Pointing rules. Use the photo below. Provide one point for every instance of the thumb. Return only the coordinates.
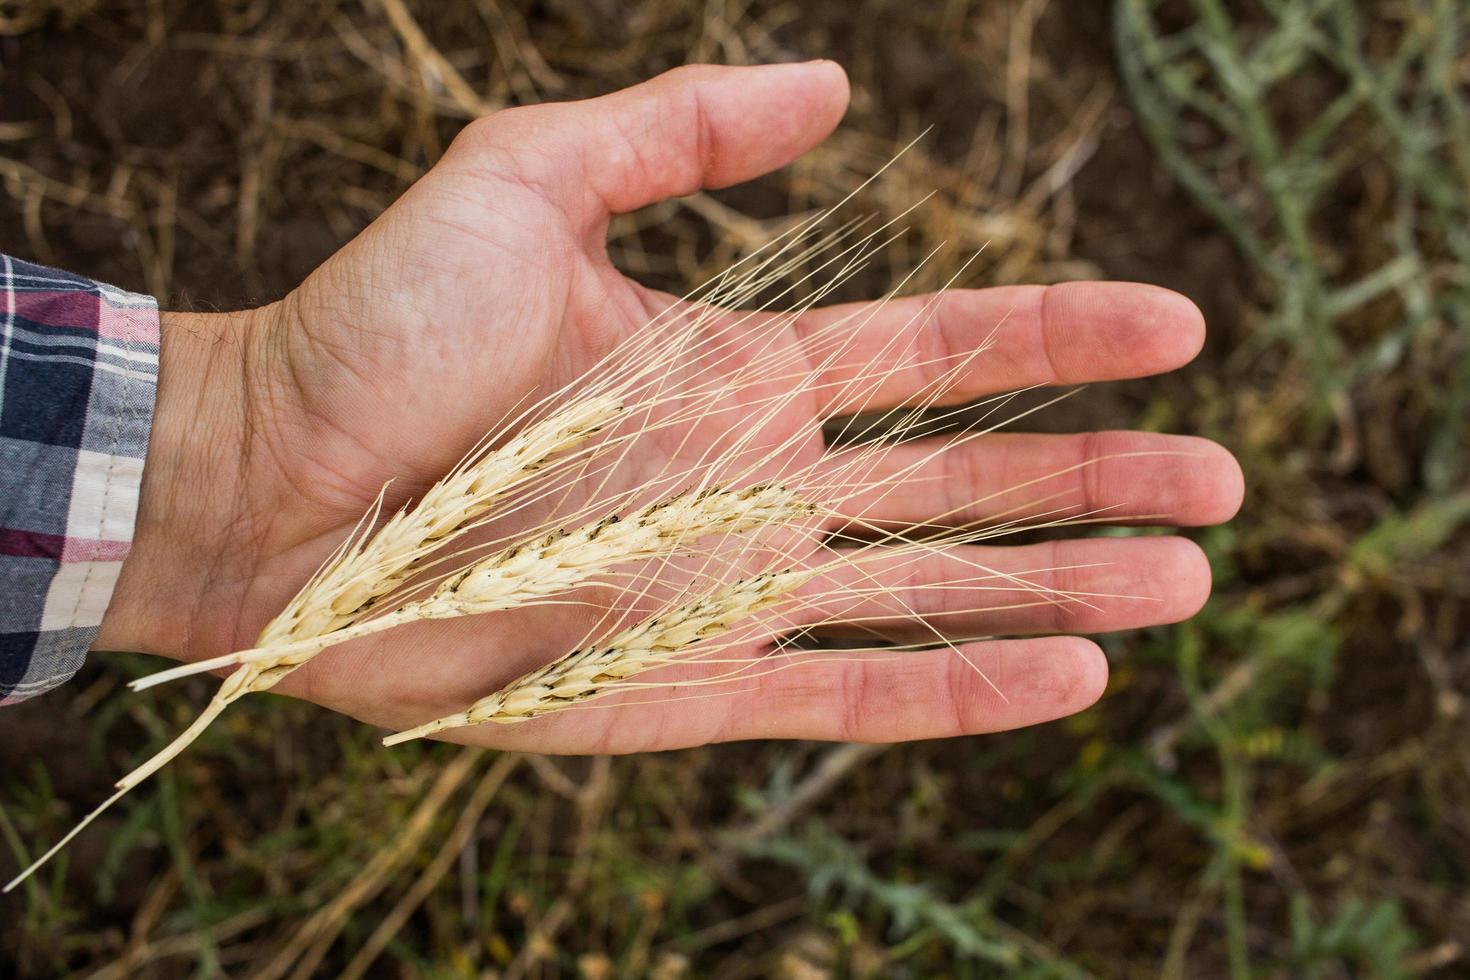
(700, 126)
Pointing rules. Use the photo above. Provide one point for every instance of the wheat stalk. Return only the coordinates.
(367, 569)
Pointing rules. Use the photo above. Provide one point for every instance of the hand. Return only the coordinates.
(488, 279)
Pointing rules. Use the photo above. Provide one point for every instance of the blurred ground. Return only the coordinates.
(1281, 788)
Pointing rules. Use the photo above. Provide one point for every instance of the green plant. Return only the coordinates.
(1219, 95)
(1370, 939)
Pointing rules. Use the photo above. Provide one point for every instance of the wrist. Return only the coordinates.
(186, 498)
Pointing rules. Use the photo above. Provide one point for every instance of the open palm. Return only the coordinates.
(488, 281)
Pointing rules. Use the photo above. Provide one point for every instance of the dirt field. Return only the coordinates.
(1280, 788)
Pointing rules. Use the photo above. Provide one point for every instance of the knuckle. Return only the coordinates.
(686, 75)
(1048, 326)
(1062, 582)
(512, 141)
(1089, 471)
(968, 482)
(960, 693)
(500, 125)
(857, 705)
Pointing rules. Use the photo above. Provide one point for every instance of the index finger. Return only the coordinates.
(1070, 333)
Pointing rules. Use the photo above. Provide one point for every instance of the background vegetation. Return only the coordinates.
(1279, 788)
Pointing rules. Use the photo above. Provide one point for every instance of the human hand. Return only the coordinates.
(488, 280)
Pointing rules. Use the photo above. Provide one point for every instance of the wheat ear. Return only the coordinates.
(588, 672)
(555, 563)
(347, 589)
(672, 635)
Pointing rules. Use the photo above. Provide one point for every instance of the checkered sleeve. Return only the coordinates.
(78, 372)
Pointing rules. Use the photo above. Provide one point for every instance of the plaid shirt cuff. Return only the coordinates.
(78, 373)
